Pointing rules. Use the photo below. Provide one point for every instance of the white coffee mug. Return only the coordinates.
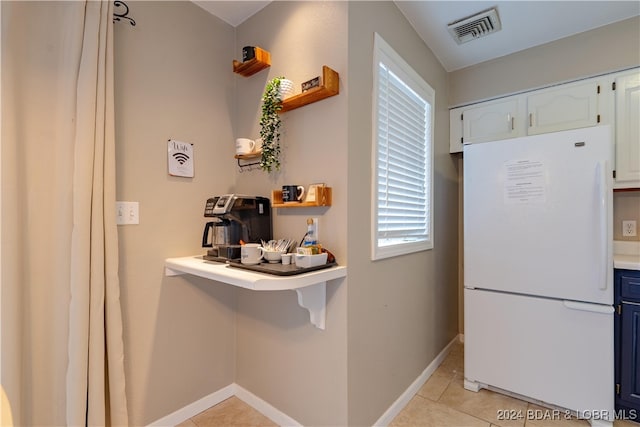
(250, 253)
(245, 145)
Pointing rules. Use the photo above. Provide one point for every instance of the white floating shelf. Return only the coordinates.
(310, 287)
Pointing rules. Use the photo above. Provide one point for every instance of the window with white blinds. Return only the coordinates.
(403, 156)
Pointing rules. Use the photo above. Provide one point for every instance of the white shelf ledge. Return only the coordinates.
(310, 287)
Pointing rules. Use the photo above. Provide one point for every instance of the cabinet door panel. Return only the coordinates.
(630, 355)
(455, 130)
(563, 108)
(491, 122)
(628, 130)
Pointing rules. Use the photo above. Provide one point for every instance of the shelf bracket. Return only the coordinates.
(314, 299)
(172, 272)
(243, 166)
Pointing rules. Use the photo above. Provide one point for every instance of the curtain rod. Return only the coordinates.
(120, 5)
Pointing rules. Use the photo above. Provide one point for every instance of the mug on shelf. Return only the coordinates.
(292, 193)
(245, 145)
(248, 52)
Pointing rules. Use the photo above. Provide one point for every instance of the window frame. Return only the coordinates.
(384, 53)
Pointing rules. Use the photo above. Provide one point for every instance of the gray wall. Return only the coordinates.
(281, 357)
(599, 51)
(172, 80)
(402, 311)
(187, 337)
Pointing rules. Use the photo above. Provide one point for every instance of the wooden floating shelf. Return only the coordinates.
(323, 198)
(330, 87)
(249, 156)
(252, 66)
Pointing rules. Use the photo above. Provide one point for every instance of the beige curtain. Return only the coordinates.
(62, 347)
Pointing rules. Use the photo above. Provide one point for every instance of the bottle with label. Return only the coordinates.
(310, 237)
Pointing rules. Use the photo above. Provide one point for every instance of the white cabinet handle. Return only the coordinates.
(530, 119)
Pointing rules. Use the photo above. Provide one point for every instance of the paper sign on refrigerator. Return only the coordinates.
(524, 182)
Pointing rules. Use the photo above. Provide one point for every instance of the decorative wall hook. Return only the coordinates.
(120, 11)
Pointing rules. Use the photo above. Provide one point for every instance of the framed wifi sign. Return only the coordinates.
(180, 157)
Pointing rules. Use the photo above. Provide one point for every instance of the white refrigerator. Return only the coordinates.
(538, 270)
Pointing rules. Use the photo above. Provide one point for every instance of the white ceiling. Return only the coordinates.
(524, 23)
(232, 12)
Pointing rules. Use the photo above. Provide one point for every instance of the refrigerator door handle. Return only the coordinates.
(583, 306)
(601, 182)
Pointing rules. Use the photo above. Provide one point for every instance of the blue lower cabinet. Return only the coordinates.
(627, 344)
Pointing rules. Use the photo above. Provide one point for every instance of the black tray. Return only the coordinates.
(278, 269)
(218, 258)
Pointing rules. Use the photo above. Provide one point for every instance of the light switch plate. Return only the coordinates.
(127, 213)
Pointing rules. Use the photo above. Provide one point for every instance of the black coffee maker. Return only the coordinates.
(235, 218)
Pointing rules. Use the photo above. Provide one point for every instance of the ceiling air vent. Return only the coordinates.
(476, 26)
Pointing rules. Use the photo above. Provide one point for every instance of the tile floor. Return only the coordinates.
(231, 412)
(441, 402)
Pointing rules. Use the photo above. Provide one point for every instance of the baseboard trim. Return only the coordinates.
(411, 391)
(193, 409)
(265, 408)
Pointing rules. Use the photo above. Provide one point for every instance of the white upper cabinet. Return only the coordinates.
(562, 107)
(568, 106)
(492, 121)
(488, 121)
(612, 99)
(627, 127)
(455, 130)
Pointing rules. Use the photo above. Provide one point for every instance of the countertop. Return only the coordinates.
(626, 255)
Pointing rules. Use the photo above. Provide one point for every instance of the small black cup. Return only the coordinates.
(292, 193)
(248, 52)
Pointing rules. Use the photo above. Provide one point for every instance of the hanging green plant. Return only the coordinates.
(270, 125)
